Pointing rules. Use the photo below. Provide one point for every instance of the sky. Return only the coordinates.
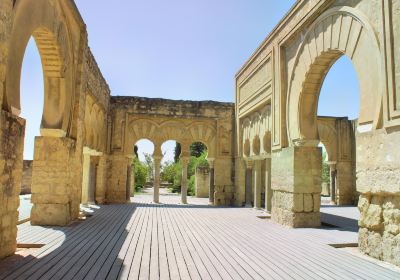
(178, 49)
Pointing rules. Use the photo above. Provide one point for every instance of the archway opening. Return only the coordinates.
(143, 171)
(169, 175)
(337, 118)
(32, 103)
(198, 171)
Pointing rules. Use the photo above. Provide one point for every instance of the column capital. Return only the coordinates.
(249, 164)
(185, 160)
(211, 162)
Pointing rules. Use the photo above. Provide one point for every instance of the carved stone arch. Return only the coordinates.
(205, 133)
(339, 31)
(41, 19)
(255, 133)
(141, 129)
(172, 130)
(266, 128)
(246, 127)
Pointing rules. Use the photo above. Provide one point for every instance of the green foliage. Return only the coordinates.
(194, 162)
(172, 171)
(191, 186)
(148, 158)
(141, 174)
(197, 149)
(325, 170)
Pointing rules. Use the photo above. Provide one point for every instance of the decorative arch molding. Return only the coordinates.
(339, 31)
(44, 20)
(256, 136)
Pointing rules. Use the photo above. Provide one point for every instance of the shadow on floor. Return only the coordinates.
(86, 249)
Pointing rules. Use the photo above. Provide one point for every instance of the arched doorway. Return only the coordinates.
(32, 99)
(339, 31)
(338, 112)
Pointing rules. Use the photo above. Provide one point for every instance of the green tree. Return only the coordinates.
(141, 173)
(148, 160)
(197, 149)
(326, 178)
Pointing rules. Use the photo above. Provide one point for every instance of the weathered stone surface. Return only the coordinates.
(202, 181)
(11, 148)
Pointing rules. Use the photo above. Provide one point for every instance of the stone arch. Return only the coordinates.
(172, 130)
(205, 133)
(141, 129)
(339, 31)
(41, 20)
(246, 137)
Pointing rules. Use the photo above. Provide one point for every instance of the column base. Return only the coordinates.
(296, 210)
(295, 220)
(50, 214)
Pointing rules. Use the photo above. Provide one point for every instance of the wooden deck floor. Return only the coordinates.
(169, 241)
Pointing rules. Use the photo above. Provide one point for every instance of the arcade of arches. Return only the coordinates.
(263, 149)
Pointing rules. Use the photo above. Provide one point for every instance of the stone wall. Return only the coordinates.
(26, 177)
(12, 131)
(202, 181)
(160, 120)
(378, 182)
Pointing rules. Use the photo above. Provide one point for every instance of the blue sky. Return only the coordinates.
(180, 50)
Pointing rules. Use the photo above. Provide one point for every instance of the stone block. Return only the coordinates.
(308, 203)
(295, 220)
(50, 214)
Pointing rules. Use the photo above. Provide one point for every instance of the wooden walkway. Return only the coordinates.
(169, 241)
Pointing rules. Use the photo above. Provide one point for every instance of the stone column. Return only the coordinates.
(184, 180)
(296, 185)
(101, 178)
(117, 179)
(249, 175)
(268, 189)
(257, 184)
(133, 178)
(332, 174)
(85, 179)
(157, 170)
(92, 183)
(212, 184)
(53, 175)
(12, 130)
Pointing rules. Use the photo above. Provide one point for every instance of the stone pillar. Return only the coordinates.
(157, 170)
(212, 183)
(378, 169)
(257, 184)
(53, 176)
(184, 180)
(101, 180)
(117, 179)
(249, 175)
(92, 183)
(296, 185)
(332, 174)
(133, 178)
(12, 130)
(128, 182)
(268, 189)
(85, 179)
(88, 178)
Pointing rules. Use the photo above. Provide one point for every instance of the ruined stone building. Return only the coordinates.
(263, 149)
